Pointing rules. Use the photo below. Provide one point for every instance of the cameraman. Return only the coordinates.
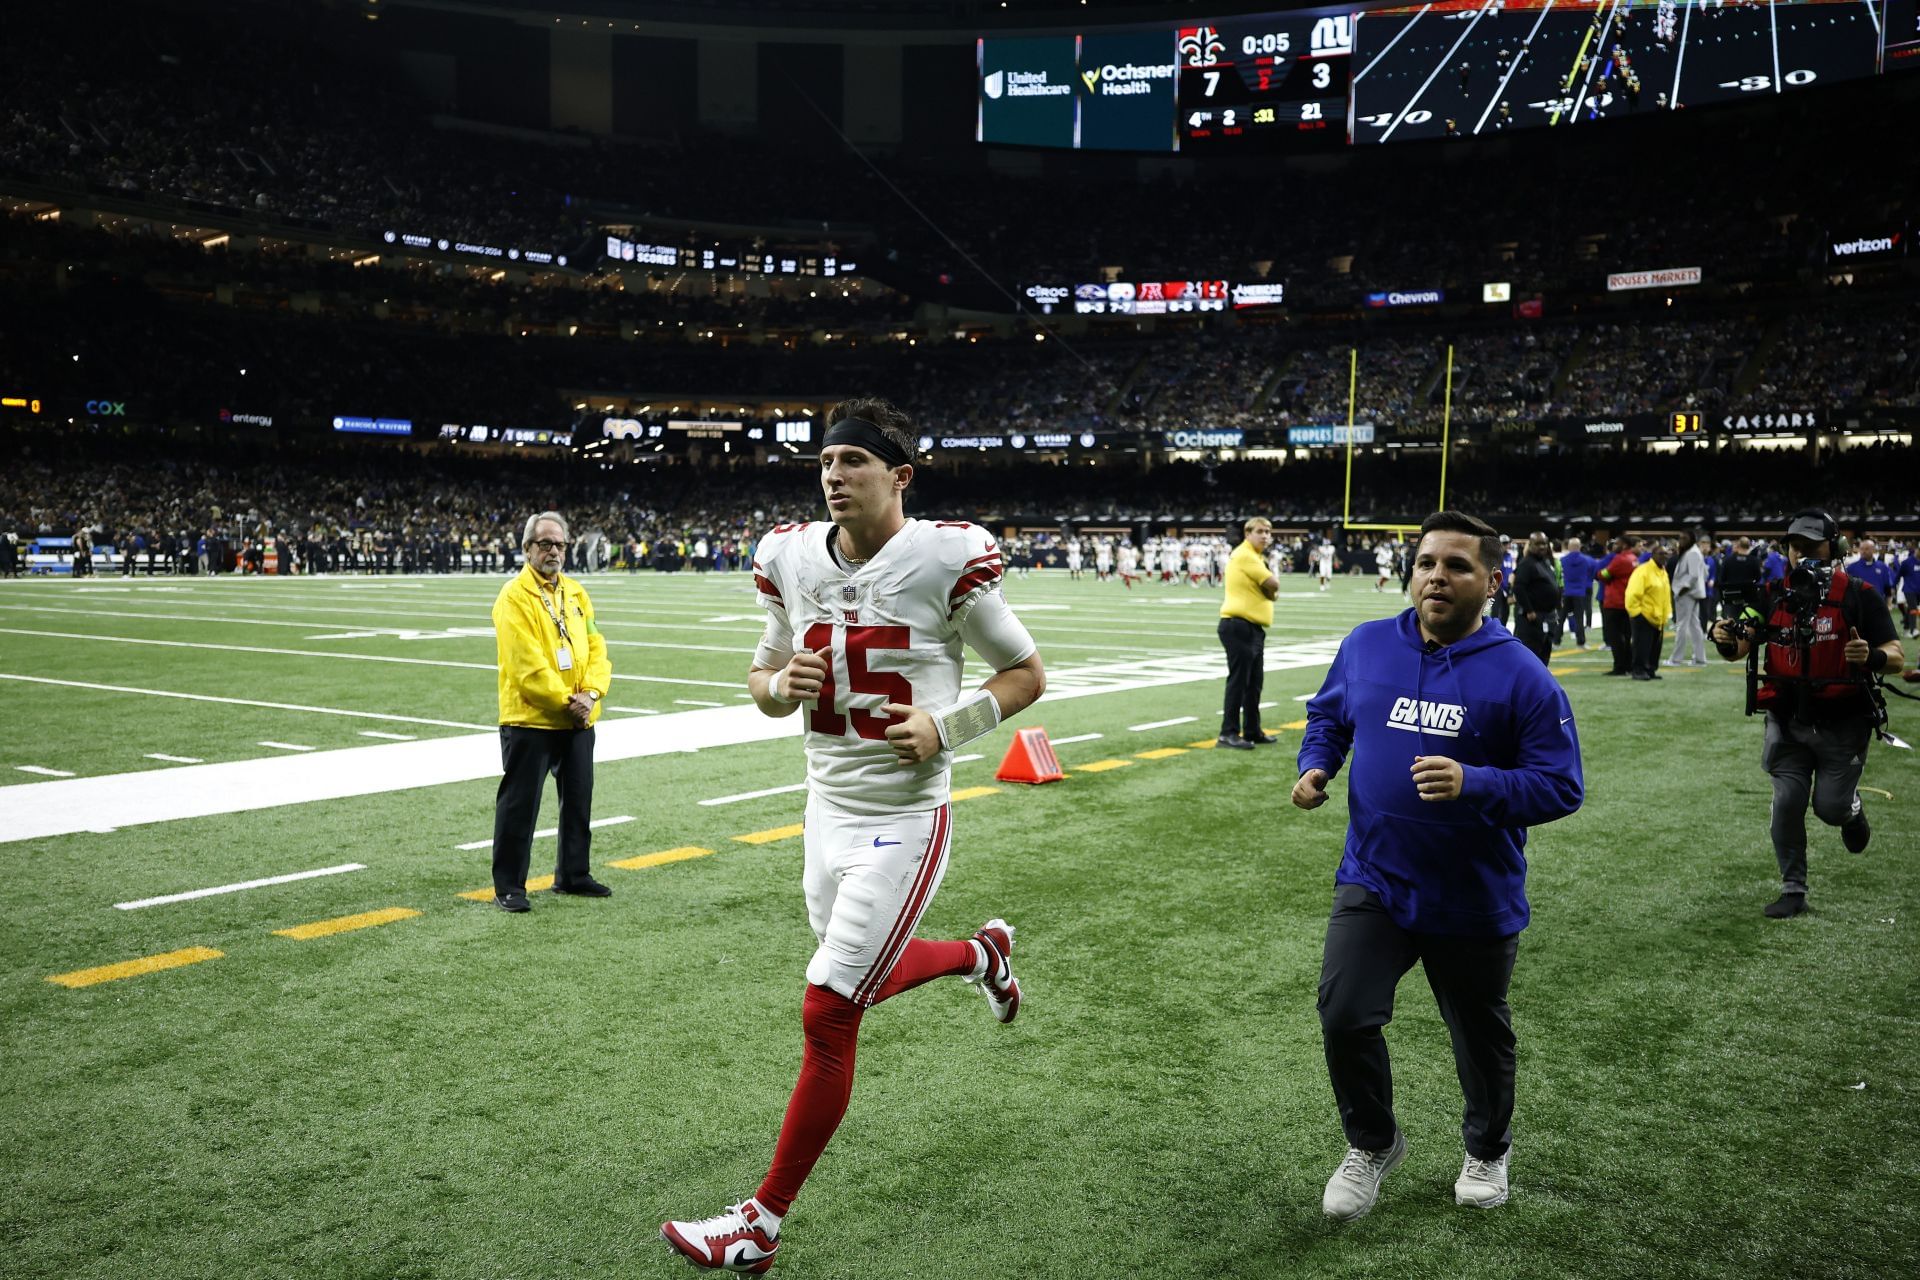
(1814, 729)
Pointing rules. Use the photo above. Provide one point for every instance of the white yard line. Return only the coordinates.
(967, 759)
(1396, 40)
(37, 810)
(755, 795)
(320, 653)
(286, 746)
(1433, 75)
(1082, 737)
(1500, 90)
(236, 888)
(42, 769)
(1161, 724)
(161, 755)
(243, 702)
(548, 832)
(695, 702)
(391, 737)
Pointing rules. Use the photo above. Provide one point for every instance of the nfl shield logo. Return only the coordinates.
(848, 592)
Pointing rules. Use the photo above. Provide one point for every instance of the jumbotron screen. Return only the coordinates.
(1462, 68)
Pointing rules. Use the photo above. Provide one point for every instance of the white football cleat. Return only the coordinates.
(1355, 1185)
(997, 983)
(1482, 1183)
(735, 1240)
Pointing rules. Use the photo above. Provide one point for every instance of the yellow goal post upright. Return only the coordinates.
(1446, 423)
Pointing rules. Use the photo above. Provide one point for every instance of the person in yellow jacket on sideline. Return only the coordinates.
(1649, 605)
(553, 673)
(1245, 615)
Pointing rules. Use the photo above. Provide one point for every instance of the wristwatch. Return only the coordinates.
(591, 694)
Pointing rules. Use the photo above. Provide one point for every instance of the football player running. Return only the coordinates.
(867, 615)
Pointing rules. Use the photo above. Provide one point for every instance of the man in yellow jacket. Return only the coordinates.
(1649, 605)
(1245, 615)
(553, 673)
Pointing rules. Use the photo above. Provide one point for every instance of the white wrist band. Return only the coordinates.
(773, 690)
(974, 716)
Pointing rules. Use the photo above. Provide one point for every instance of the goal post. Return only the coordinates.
(1446, 424)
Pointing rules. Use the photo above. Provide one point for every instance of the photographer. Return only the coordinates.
(1825, 636)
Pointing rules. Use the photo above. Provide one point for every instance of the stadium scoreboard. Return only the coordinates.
(1209, 85)
(1243, 79)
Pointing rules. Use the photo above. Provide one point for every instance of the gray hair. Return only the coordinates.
(533, 522)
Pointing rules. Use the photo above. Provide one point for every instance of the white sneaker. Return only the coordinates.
(1482, 1183)
(1355, 1185)
(737, 1239)
(998, 983)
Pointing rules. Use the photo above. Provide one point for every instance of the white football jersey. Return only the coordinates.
(891, 630)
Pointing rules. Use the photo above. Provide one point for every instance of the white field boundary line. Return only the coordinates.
(755, 795)
(38, 810)
(44, 771)
(161, 755)
(477, 632)
(243, 702)
(729, 685)
(342, 869)
(547, 833)
(286, 746)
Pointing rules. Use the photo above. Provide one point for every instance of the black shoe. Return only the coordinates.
(1855, 832)
(1264, 739)
(1233, 741)
(586, 887)
(1787, 904)
(1641, 675)
(515, 902)
(1613, 673)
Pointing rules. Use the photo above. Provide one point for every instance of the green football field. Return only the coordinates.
(412, 1083)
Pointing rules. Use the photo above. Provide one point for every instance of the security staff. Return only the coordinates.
(1244, 619)
(1816, 729)
(553, 673)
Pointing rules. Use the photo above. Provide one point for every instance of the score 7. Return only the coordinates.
(1213, 81)
(888, 686)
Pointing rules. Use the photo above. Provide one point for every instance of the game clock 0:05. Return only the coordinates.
(1278, 77)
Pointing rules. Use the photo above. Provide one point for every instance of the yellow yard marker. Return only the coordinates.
(1294, 724)
(1160, 753)
(662, 858)
(972, 793)
(1205, 744)
(346, 924)
(1101, 766)
(534, 885)
(134, 968)
(768, 837)
(1562, 671)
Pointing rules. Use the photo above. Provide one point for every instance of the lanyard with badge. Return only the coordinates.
(563, 657)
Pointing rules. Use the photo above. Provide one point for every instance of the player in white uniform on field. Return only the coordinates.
(1073, 557)
(1323, 563)
(1103, 559)
(1170, 560)
(1383, 563)
(867, 617)
(1129, 563)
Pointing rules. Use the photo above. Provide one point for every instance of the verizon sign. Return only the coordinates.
(1868, 248)
(1670, 278)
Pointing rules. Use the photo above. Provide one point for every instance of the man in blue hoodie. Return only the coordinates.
(1460, 741)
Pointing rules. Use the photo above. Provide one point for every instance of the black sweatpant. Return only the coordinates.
(1616, 631)
(528, 756)
(1533, 634)
(1647, 641)
(1366, 956)
(1246, 646)
(1574, 610)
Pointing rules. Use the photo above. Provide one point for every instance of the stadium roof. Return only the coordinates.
(970, 15)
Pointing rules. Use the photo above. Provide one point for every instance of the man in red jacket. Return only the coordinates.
(1614, 624)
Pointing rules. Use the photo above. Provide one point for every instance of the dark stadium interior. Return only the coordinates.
(188, 254)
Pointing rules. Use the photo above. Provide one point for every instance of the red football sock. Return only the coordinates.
(923, 961)
(819, 1100)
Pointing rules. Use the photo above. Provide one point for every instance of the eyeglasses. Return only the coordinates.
(548, 544)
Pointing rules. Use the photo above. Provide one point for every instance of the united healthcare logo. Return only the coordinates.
(996, 85)
(1417, 715)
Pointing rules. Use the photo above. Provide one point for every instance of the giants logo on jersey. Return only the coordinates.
(1442, 719)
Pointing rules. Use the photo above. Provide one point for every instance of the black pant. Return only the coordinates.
(1533, 634)
(1574, 609)
(1619, 637)
(1821, 761)
(528, 756)
(1647, 641)
(1366, 956)
(1246, 646)
(1502, 608)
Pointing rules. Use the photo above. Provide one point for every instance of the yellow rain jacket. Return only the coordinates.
(533, 688)
(1650, 594)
